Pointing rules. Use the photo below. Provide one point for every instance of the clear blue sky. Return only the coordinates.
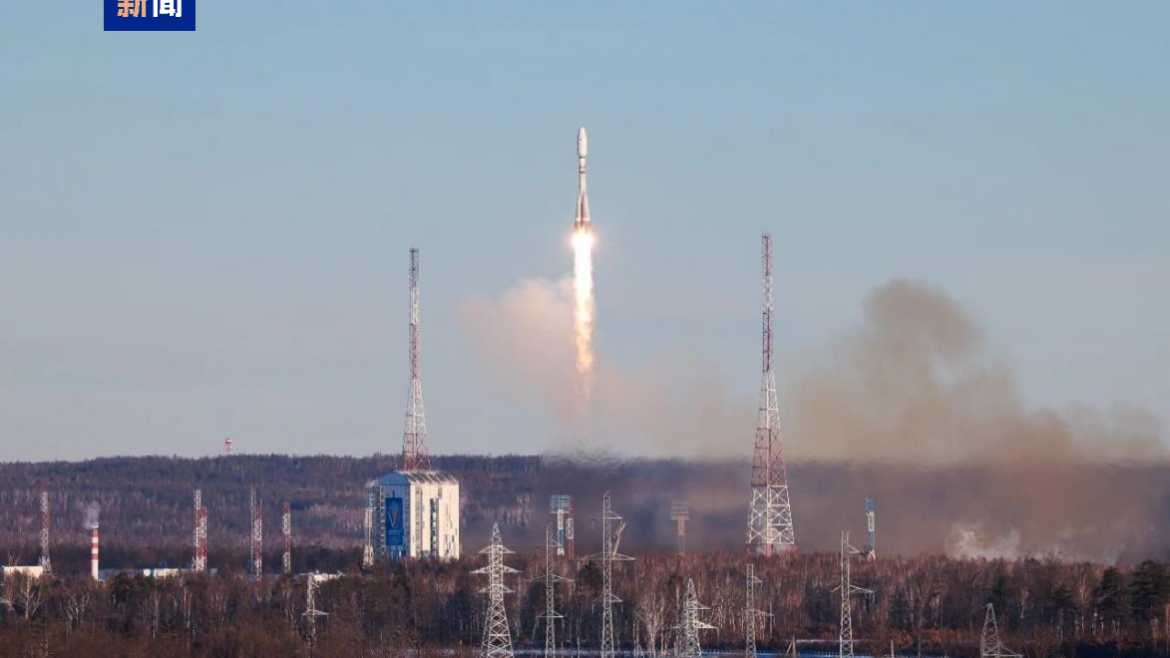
(205, 233)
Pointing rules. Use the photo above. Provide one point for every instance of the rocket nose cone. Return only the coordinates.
(582, 143)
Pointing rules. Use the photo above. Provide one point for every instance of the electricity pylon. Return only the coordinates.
(690, 625)
(497, 638)
(610, 539)
(990, 645)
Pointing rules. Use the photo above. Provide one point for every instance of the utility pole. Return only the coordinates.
(312, 581)
(751, 613)
(847, 590)
(770, 530)
(551, 578)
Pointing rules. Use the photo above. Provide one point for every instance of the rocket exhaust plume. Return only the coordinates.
(583, 275)
(583, 296)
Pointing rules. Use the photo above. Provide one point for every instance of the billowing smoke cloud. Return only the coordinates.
(910, 407)
(90, 512)
(916, 384)
(674, 405)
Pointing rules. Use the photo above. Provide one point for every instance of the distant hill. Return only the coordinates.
(1104, 513)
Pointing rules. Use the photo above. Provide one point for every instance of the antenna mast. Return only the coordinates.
(199, 564)
(415, 456)
(770, 529)
(286, 532)
(46, 563)
(368, 549)
(871, 533)
(257, 537)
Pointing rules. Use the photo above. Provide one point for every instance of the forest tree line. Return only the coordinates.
(928, 605)
(147, 518)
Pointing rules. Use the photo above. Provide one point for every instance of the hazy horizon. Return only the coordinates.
(206, 234)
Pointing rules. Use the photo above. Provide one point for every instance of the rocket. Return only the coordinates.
(582, 223)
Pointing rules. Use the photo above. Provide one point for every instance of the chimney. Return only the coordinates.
(93, 554)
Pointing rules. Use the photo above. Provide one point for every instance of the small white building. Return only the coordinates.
(416, 515)
(26, 571)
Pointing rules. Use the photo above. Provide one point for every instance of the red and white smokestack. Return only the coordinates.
(93, 554)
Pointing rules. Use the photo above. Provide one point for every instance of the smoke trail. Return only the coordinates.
(583, 308)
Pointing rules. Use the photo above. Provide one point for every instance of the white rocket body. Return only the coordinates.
(582, 221)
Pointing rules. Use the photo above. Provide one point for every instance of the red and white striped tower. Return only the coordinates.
(286, 532)
(227, 446)
(415, 454)
(257, 537)
(769, 528)
(94, 557)
(200, 562)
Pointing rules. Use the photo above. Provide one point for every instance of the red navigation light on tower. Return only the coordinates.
(415, 510)
(769, 528)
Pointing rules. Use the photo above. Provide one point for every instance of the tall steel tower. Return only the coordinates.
(690, 625)
(551, 578)
(46, 563)
(870, 527)
(680, 513)
(257, 537)
(415, 456)
(368, 548)
(751, 614)
(286, 533)
(312, 582)
(770, 528)
(990, 645)
(497, 638)
(847, 590)
(610, 539)
(561, 505)
(199, 564)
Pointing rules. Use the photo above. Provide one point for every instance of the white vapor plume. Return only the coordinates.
(89, 514)
(671, 405)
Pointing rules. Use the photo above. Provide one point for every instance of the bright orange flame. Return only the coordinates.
(583, 312)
